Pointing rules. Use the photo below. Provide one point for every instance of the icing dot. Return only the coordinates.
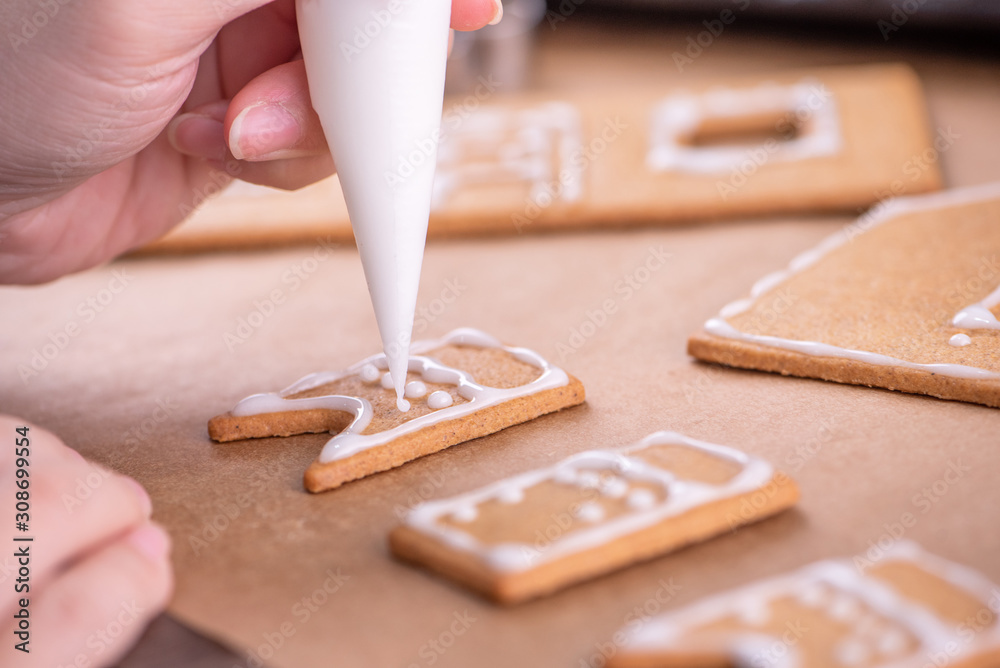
(614, 487)
(960, 340)
(891, 642)
(843, 608)
(387, 380)
(403, 405)
(439, 399)
(511, 495)
(465, 514)
(641, 499)
(852, 652)
(588, 479)
(590, 512)
(812, 596)
(414, 389)
(369, 373)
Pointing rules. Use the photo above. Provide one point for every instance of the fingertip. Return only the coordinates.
(474, 14)
(151, 541)
(140, 493)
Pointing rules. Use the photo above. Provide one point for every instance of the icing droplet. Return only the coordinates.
(511, 495)
(387, 381)
(369, 373)
(403, 405)
(614, 487)
(414, 390)
(439, 399)
(588, 479)
(843, 608)
(590, 512)
(960, 340)
(812, 596)
(641, 499)
(465, 514)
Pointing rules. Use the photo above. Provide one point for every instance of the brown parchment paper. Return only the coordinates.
(302, 580)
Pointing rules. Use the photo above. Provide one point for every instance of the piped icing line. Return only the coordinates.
(718, 326)
(840, 588)
(351, 441)
(583, 469)
(538, 151)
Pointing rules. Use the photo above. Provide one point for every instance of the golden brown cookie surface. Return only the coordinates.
(906, 608)
(589, 514)
(460, 387)
(906, 298)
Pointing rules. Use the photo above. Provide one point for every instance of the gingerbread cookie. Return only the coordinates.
(905, 299)
(462, 386)
(909, 609)
(826, 139)
(590, 514)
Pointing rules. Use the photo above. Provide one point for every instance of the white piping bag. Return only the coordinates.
(376, 76)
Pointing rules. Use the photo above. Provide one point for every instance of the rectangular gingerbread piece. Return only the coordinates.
(589, 514)
(460, 387)
(810, 140)
(903, 608)
(906, 298)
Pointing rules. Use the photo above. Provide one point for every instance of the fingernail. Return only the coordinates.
(499, 13)
(151, 541)
(198, 136)
(263, 132)
(142, 495)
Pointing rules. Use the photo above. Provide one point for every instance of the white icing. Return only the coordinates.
(465, 514)
(387, 381)
(677, 118)
(439, 399)
(588, 479)
(614, 487)
(813, 596)
(415, 389)
(351, 441)
(370, 374)
(843, 608)
(511, 495)
(641, 499)
(979, 315)
(380, 106)
(904, 618)
(677, 497)
(718, 326)
(959, 340)
(591, 512)
(495, 146)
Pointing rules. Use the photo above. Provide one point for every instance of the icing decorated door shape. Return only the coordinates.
(716, 131)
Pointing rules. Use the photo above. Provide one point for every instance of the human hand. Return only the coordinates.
(97, 570)
(88, 165)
